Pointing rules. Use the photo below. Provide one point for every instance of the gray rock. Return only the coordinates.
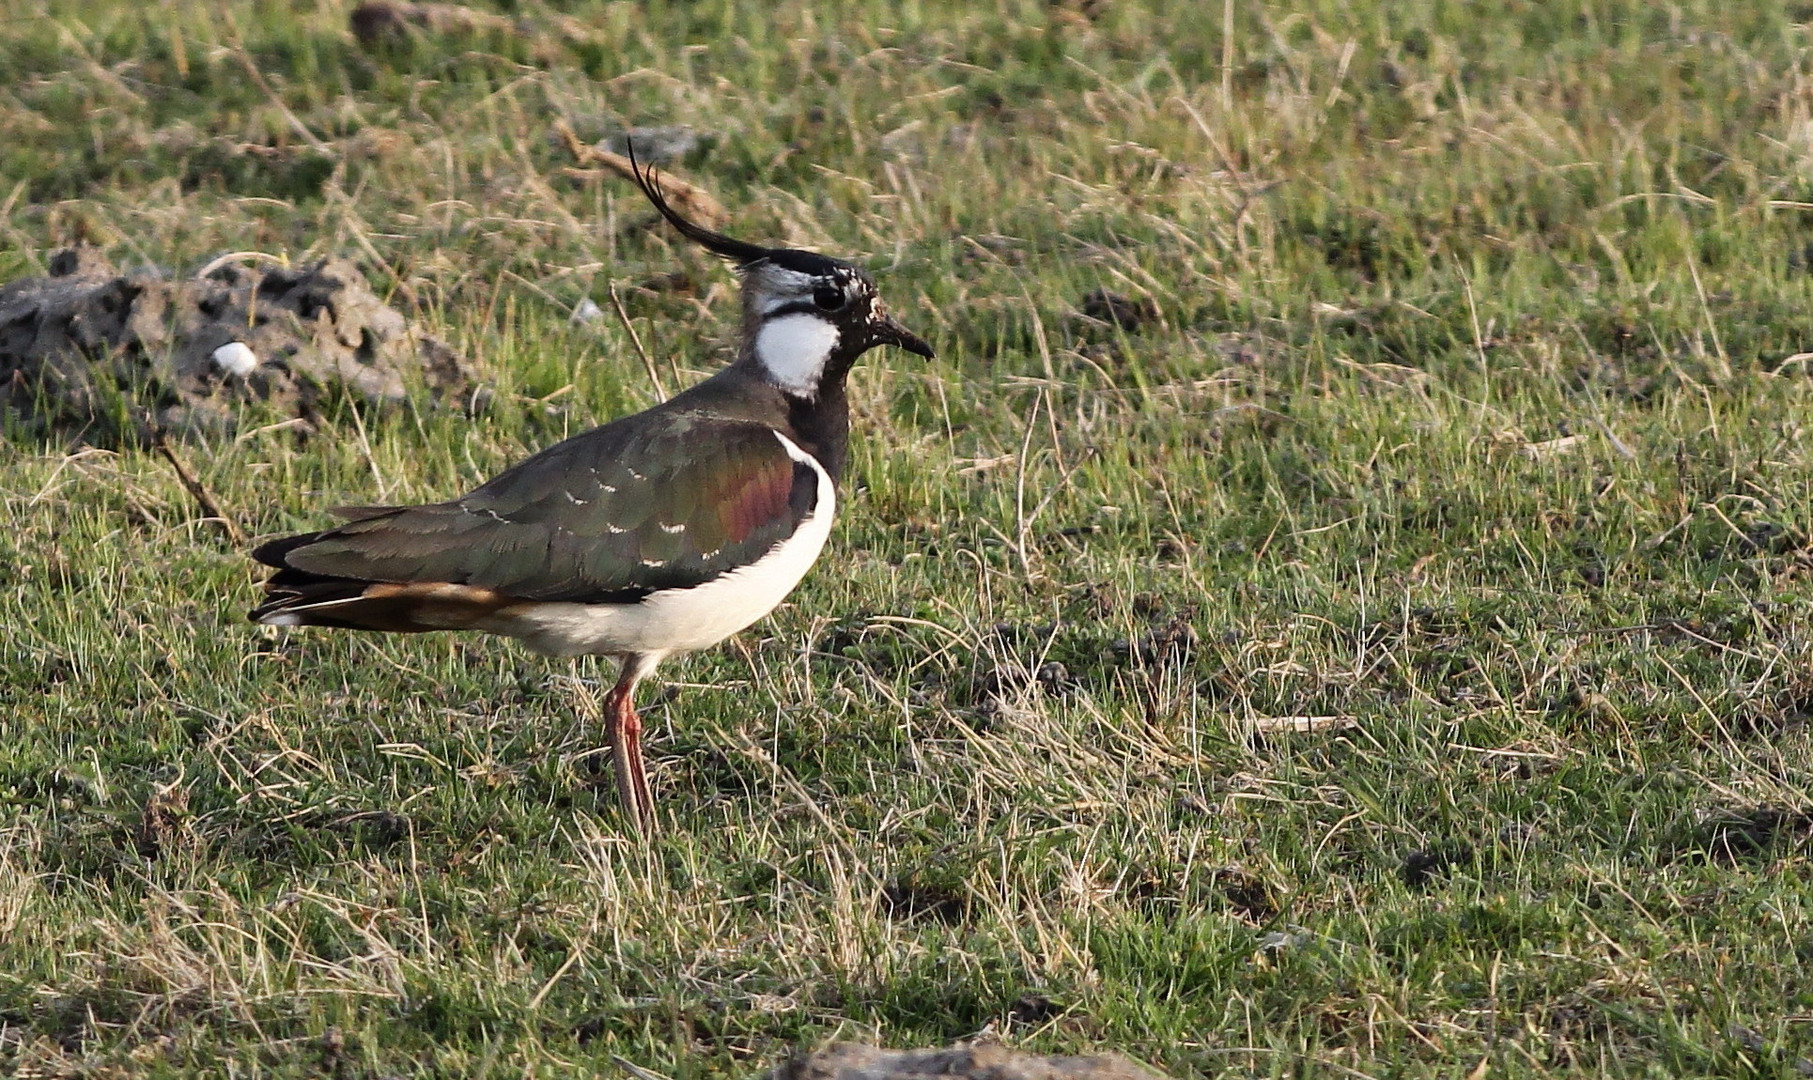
(980, 1061)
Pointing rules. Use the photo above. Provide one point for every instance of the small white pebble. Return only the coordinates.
(235, 358)
(587, 311)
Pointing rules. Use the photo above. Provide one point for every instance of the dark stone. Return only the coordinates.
(1422, 866)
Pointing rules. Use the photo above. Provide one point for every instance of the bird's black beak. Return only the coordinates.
(883, 330)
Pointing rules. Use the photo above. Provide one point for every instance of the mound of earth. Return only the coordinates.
(111, 357)
(980, 1061)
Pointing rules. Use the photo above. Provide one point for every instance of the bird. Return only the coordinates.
(656, 534)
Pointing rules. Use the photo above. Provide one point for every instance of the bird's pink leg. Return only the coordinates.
(625, 729)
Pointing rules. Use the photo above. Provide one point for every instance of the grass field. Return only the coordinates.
(1467, 414)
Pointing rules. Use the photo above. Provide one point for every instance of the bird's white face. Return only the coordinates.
(794, 349)
(802, 320)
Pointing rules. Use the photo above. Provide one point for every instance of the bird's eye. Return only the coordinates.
(828, 297)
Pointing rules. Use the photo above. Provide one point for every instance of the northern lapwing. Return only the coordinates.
(658, 533)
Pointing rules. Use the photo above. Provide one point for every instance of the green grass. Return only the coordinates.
(1396, 249)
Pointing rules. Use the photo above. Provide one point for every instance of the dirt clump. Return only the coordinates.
(114, 358)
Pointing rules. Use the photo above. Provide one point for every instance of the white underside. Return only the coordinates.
(679, 620)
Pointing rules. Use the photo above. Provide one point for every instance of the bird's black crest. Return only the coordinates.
(742, 253)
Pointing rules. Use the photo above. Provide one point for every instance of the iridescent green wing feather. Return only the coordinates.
(666, 501)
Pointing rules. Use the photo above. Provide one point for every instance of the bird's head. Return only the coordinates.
(806, 317)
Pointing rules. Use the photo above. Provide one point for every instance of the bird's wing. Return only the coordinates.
(670, 501)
